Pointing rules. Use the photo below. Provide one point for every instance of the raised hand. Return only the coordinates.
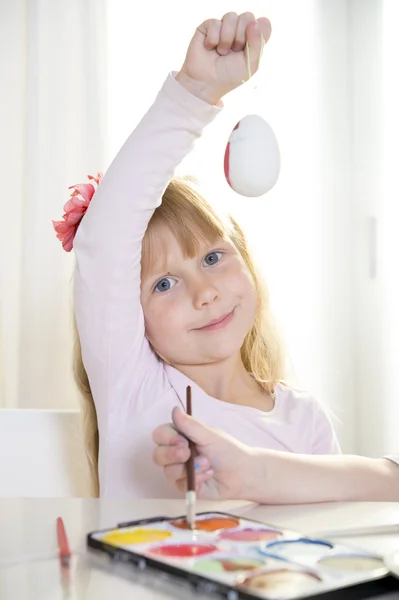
(223, 54)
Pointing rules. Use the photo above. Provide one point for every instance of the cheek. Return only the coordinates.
(250, 297)
(241, 282)
(160, 320)
(247, 293)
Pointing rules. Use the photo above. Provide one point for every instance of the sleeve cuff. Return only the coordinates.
(197, 108)
(393, 458)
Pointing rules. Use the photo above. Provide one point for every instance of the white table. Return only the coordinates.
(27, 526)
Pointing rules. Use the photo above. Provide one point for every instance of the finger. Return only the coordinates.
(170, 455)
(243, 21)
(201, 464)
(181, 484)
(257, 34)
(177, 471)
(204, 437)
(166, 435)
(174, 473)
(265, 28)
(227, 33)
(204, 476)
(211, 30)
(201, 488)
(194, 430)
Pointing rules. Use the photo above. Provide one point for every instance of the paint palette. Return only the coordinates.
(237, 558)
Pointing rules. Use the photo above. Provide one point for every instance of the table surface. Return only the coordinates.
(27, 528)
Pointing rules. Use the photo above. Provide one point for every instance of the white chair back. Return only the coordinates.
(42, 454)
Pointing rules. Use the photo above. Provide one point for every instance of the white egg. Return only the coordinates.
(252, 157)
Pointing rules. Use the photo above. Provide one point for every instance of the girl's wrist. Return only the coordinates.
(255, 475)
(199, 89)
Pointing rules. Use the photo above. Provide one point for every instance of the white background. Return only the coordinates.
(76, 78)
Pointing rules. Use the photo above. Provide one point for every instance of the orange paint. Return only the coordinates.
(210, 524)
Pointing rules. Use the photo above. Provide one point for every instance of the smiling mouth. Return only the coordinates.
(219, 323)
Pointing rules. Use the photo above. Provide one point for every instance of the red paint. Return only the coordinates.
(209, 524)
(227, 159)
(227, 164)
(250, 535)
(183, 550)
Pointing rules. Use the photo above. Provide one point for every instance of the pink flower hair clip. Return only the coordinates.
(74, 210)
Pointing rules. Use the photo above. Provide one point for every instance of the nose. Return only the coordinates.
(203, 292)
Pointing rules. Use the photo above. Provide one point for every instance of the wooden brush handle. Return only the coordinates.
(190, 465)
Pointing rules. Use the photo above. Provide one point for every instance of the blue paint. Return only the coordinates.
(286, 550)
(302, 540)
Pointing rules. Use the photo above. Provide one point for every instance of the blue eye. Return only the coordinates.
(164, 284)
(212, 258)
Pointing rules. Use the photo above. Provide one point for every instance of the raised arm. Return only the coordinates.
(110, 322)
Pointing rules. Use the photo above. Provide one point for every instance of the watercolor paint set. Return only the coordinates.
(233, 557)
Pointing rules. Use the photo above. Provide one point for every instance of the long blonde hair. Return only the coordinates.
(192, 220)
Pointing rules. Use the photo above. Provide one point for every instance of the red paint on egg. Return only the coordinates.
(227, 164)
(227, 159)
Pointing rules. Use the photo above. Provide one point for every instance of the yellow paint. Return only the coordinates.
(137, 536)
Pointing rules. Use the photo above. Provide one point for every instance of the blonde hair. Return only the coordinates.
(192, 220)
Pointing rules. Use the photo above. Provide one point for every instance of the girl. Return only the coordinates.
(166, 294)
(227, 469)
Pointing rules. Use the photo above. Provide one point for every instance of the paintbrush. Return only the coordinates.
(65, 558)
(190, 470)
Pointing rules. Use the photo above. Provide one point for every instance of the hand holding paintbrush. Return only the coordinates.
(190, 470)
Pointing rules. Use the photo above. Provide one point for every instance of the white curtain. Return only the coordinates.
(79, 78)
(376, 241)
(52, 121)
(389, 233)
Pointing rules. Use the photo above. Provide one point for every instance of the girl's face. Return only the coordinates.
(197, 310)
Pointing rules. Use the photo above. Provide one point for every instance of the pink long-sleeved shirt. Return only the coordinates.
(133, 390)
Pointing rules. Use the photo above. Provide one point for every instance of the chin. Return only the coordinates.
(223, 350)
(217, 352)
